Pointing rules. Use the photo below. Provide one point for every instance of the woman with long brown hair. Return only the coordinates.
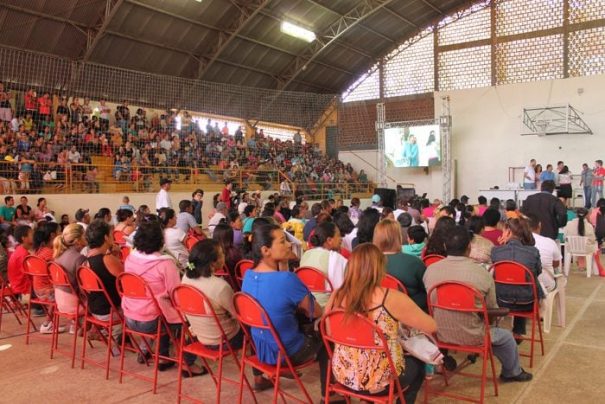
(365, 370)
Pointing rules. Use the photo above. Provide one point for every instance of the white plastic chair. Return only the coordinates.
(546, 306)
(575, 246)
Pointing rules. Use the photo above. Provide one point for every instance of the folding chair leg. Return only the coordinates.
(537, 320)
(483, 377)
(84, 340)
(74, 342)
(242, 374)
(122, 352)
(533, 340)
(156, 362)
(493, 365)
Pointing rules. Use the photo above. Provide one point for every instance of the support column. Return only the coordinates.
(445, 123)
(381, 168)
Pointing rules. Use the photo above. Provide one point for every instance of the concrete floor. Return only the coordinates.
(569, 372)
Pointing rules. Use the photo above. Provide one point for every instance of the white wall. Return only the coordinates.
(487, 124)
(486, 134)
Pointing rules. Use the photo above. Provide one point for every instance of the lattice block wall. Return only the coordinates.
(587, 52)
(530, 60)
(410, 71)
(474, 27)
(465, 68)
(586, 10)
(356, 120)
(521, 16)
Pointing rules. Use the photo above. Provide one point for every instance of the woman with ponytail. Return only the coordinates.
(205, 259)
(66, 252)
(581, 226)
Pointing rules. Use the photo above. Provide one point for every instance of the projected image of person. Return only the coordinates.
(410, 152)
(431, 150)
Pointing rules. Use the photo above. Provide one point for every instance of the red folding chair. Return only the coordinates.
(240, 270)
(189, 242)
(9, 303)
(390, 282)
(360, 333)
(513, 273)
(315, 280)
(191, 302)
(431, 259)
(59, 279)
(131, 286)
(119, 237)
(462, 299)
(90, 284)
(36, 267)
(250, 313)
(224, 273)
(124, 253)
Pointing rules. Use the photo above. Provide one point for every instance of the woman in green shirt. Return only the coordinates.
(406, 268)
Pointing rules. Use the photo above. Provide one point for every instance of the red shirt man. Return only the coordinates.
(598, 174)
(20, 282)
(226, 194)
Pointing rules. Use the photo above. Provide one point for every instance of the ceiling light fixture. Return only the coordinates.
(297, 32)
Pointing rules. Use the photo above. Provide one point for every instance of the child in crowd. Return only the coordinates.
(416, 241)
(126, 204)
(511, 209)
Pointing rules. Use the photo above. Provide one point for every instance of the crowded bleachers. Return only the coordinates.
(64, 144)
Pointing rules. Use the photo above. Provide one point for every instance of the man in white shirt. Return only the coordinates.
(162, 199)
(550, 256)
(529, 175)
(221, 214)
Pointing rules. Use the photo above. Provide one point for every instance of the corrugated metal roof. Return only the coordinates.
(181, 37)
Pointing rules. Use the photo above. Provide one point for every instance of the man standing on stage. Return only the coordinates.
(597, 182)
(529, 176)
(586, 184)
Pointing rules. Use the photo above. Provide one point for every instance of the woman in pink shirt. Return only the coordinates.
(162, 275)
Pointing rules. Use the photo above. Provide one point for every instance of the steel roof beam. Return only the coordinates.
(373, 31)
(328, 38)
(339, 43)
(400, 17)
(94, 39)
(194, 57)
(434, 7)
(247, 14)
(287, 52)
(80, 27)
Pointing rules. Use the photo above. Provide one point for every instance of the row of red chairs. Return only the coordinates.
(449, 296)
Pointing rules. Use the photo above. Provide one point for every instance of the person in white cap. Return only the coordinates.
(162, 199)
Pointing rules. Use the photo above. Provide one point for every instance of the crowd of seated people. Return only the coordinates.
(52, 138)
(265, 231)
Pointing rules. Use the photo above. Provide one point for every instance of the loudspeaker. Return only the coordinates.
(406, 194)
(388, 197)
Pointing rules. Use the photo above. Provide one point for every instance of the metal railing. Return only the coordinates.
(68, 178)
